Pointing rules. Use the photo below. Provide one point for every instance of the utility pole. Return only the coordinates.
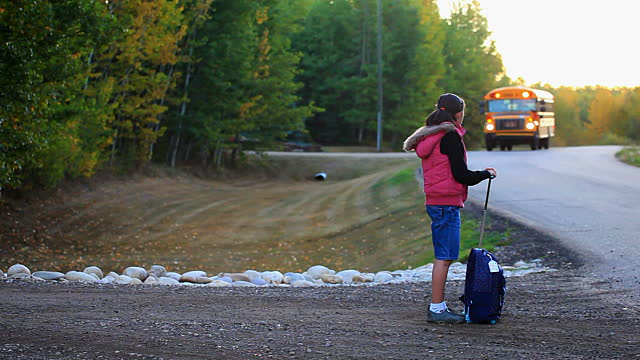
(379, 48)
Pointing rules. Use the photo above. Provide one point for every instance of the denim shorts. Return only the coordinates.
(445, 231)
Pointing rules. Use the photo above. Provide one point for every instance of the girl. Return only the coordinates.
(446, 178)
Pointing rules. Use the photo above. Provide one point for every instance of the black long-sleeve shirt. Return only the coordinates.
(451, 145)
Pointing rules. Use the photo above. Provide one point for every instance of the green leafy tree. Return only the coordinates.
(196, 14)
(340, 67)
(43, 49)
(245, 84)
(279, 107)
(473, 65)
(416, 66)
(336, 44)
(138, 62)
(631, 113)
(422, 57)
(228, 43)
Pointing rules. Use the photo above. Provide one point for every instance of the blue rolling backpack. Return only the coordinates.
(485, 285)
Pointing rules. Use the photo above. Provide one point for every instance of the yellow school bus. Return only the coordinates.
(518, 115)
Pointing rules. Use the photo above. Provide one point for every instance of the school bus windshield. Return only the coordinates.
(512, 105)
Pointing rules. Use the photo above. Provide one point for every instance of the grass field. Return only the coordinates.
(368, 215)
(630, 155)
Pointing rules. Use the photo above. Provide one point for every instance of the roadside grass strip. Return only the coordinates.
(630, 155)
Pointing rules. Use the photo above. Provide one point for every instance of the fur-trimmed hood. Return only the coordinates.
(413, 140)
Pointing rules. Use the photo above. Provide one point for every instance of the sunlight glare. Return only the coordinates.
(568, 42)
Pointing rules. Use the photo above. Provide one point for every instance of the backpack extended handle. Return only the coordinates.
(484, 212)
(486, 200)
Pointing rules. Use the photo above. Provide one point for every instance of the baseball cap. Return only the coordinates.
(451, 103)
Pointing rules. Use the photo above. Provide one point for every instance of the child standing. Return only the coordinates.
(446, 178)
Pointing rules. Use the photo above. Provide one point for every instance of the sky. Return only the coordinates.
(565, 42)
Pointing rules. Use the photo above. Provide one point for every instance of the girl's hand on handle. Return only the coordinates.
(492, 171)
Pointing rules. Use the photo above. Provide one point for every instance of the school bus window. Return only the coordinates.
(512, 105)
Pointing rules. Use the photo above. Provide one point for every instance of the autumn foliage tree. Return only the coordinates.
(43, 51)
(92, 84)
(139, 64)
(595, 115)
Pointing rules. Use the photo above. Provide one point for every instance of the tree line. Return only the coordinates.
(596, 115)
(423, 56)
(87, 85)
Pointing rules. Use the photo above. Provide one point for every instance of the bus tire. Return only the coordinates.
(490, 144)
(489, 141)
(535, 142)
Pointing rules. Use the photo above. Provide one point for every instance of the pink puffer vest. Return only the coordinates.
(440, 187)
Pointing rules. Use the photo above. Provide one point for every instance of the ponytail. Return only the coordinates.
(438, 116)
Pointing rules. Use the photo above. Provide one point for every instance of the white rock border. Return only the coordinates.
(315, 276)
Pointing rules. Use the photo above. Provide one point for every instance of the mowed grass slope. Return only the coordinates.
(368, 215)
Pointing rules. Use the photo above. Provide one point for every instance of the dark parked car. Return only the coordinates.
(300, 141)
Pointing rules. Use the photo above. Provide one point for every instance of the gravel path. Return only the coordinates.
(548, 316)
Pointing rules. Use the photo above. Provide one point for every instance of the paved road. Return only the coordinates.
(581, 195)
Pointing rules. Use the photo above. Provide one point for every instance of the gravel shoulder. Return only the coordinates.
(554, 315)
(548, 316)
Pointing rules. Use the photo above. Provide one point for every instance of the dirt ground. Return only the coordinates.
(566, 314)
(186, 223)
(554, 315)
